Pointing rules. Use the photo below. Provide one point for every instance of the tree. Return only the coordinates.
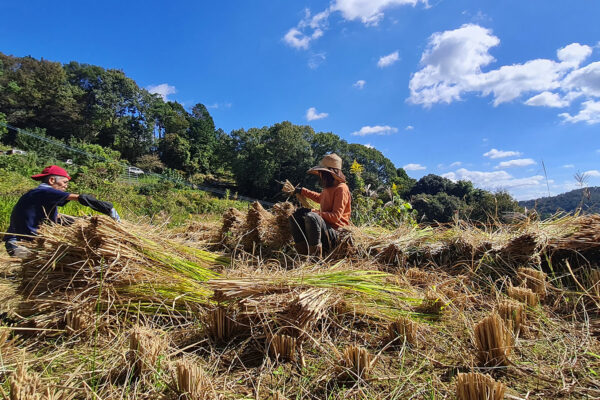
(175, 151)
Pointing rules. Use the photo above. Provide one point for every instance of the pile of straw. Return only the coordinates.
(493, 340)
(357, 362)
(145, 348)
(191, 381)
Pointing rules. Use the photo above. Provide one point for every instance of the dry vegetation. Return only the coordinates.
(102, 310)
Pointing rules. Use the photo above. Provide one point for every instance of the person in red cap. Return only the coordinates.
(315, 231)
(40, 204)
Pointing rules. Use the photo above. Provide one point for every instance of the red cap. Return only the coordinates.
(51, 170)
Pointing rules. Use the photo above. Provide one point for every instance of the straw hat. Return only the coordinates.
(331, 163)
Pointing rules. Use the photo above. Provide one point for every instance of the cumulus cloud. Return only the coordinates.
(359, 84)
(547, 99)
(409, 128)
(386, 61)
(414, 167)
(164, 90)
(369, 12)
(454, 62)
(493, 180)
(312, 114)
(494, 153)
(375, 130)
(520, 162)
(589, 113)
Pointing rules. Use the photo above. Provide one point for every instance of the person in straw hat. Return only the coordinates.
(40, 204)
(315, 231)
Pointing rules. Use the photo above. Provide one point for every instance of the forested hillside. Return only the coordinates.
(104, 112)
(588, 199)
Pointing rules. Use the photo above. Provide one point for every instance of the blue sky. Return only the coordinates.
(482, 90)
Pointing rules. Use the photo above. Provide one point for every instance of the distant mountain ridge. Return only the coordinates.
(568, 202)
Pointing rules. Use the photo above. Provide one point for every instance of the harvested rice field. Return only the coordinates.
(228, 310)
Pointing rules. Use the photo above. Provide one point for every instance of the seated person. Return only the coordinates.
(40, 204)
(315, 231)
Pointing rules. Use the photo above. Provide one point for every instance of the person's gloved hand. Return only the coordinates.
(115, 215)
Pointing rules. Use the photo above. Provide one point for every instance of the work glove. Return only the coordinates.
(115, 215)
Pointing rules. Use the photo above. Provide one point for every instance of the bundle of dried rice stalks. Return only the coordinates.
(521, 249)
(282, 234)
(191, 381)
(97, 261)
(524, 295)
(534, 280)
(233, 226)
(402, 330)
(282, 347)
(493, 341)
(309, 307)
(79, 320)
(418, 277)
(475, 386)
(145, 348)
(513, 314)
(219, 325)
(584, 234)
(259, 223)
(358, 362)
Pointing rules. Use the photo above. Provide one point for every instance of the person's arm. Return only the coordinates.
(341, 199)
(105, 207)
(314, 196)
(73, 197)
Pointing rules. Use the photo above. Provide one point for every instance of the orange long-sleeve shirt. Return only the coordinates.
(335, 204)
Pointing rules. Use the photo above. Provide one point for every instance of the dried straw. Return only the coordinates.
(402, 330)
(358, 362)
(493, 341)
(282, 347)
(191, 381)
(475, 386)
(534, 280)
(282, 234)
(524, 295)
(24, 385)
(232, 228)
(513, 314)
(219, 325)
(145, 348)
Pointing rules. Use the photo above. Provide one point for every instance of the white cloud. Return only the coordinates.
(375, 130)
(359, 84)
(312, 114)
(453, 65)
(456, 164)
(493, 153)
(547, 99)
(316, 60)
(520, 162)
(386, 61)
(414, 167)
(593, 172)
(308, 29)
(369, 146)
(589, 113)
(219, 105)
(409, 128)
(164, 90)
(574, 53)
(494, 180)
(568, 166)
(370, 12)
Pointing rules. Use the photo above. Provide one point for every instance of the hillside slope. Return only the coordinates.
(568, 202)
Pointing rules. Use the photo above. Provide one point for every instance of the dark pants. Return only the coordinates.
(311, 228)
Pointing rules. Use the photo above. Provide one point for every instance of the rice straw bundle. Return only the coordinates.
(97, 261)
(191, 381)
(402, 330)
(392, 254)
(145, 348)
(475, 386)
(521, 249)
(232, 228)
(524, 295)
(493, 341)
(282, 234)
(309, 307)
(219, 326)
(357, 361)
(258, 224)
(282, 347)
(78, 320)
(534, 280)
(418, 277)
(585, 234)
(513, 314)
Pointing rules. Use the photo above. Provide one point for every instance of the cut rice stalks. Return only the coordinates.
(357, 363)
(192, 382)
(524, 295)
(475, 386)
(493, 341)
